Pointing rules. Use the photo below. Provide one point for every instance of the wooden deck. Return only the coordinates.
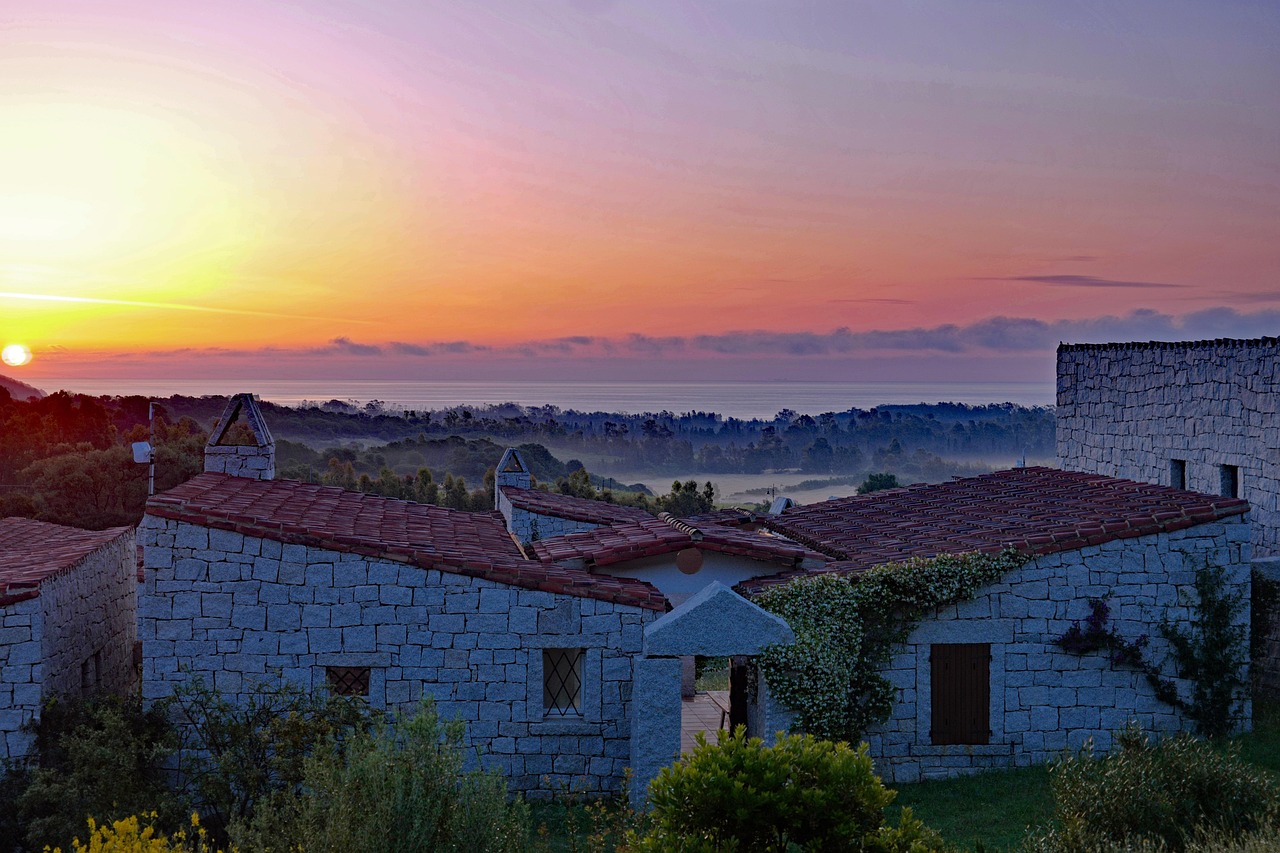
(704, 712)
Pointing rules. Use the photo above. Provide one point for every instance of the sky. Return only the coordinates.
(586, 189)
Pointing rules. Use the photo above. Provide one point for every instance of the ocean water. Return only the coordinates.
(731, 399)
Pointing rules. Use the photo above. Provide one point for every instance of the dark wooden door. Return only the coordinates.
(960, 689)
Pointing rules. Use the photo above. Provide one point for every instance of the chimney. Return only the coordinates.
(248, 451)
(512, 471)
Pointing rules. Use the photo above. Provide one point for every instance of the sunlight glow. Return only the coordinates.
(15, 355)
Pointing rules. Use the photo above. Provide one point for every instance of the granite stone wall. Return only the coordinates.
(1042, 698)
(90, 623)
(531, 526)
(238, 610)
(1130, 410)
(255, 463)
(74, 638)
(21, 673)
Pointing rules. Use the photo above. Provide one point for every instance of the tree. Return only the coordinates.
(878, 482)
(685, 499)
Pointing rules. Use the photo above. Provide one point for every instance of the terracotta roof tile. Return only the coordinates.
(475, 544)
(32, 551)
(573, 508)
(1036, 510)
(655, 536)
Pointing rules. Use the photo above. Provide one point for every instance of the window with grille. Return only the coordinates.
(960, 691)
(348, 680)
(562, 681)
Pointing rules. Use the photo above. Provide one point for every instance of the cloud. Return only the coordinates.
(992, 336)
(346, 346)
(1084, 281)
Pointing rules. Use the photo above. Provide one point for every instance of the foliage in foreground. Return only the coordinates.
(101, 756)
(1164, 795)
(393, 787)
(846, 631)
(740, 795)
(236, 755)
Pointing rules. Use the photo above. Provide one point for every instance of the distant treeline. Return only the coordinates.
(66, 457)
(883, 438)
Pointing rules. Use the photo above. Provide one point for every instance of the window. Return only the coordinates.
(1178, 473)
(1230, 481)
(960, 691)
(562, 681)
(348, 680)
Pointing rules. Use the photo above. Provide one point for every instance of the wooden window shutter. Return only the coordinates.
(960, 687)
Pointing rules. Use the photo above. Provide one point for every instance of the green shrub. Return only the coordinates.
(805, 793)
(101, 757)
(402, 788)
(1164, 793)
(237, 754)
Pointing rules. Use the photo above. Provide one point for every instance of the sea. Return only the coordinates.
(738, 399)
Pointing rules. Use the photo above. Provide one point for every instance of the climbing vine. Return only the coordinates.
(1210, 653)
(846, 629)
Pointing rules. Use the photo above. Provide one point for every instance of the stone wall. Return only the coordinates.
(531, 526)
(254, 463)
(90, 618)
(238, 610)
(1044, 699)
(1128, 410)
(21, 672)
(75, 637)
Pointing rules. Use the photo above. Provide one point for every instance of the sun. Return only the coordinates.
(15, 355)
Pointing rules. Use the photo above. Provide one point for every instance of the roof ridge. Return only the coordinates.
(683, 526)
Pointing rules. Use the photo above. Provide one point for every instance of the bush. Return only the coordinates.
(1159, 794)
(400, 788)
(235, 755)
(740, 795)
(100, 757)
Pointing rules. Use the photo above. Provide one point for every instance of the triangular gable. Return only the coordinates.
(242, 407)
(716, 622)
(512, 463)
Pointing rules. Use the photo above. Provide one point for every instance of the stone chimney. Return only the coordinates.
(247, 452)
(512, 471)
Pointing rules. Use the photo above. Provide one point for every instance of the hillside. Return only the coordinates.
(19, 390)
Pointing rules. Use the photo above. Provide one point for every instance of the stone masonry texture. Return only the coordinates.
(238, 610)
(1130, 410)
(75, 637)
(1044, 699)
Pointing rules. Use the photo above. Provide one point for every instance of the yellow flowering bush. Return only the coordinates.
(139, 835)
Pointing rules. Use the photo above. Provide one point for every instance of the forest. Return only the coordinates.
(65, 457)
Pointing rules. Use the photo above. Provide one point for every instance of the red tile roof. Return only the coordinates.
(475, 544)
(573, 508)
(33, 551)
(654, 536)
(1035, 510)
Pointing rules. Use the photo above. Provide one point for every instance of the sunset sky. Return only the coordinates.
(593, 189)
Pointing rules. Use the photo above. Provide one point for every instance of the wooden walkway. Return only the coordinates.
(704, 712)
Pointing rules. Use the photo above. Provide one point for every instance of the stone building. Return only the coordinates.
(1020, 698)
(564, 652)
(248, 579)
(1199, 415)
(68, 618)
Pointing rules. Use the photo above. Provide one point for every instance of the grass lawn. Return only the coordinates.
(999, 806)
(995, 808)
